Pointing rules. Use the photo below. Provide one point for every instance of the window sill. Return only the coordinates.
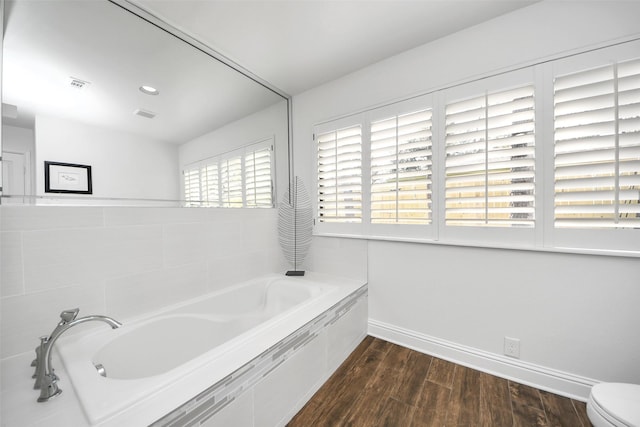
(564, 250)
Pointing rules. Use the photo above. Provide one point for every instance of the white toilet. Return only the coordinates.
(614, 405)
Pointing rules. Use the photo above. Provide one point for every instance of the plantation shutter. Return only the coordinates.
(192, 187)
(401, 169)
(231, 182)
(209, 177)
(490, 160)
(340, 175)
(629, 144)
(597, 147)
(258, 184)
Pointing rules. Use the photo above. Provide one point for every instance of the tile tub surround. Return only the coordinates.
(121, 261)
(204, 407)
(289, 372)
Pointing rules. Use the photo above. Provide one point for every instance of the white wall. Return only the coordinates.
(270, 122)
(16, 139)
(576, 315)
(122, 165)
(121, 261)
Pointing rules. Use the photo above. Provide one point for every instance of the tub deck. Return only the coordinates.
(134, 394)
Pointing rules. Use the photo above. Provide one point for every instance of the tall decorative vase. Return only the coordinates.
(295, 225)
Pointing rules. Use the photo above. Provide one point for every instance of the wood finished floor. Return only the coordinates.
(383, 384)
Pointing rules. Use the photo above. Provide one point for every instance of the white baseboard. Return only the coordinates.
(554, 381)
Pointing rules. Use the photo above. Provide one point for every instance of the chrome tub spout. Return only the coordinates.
(46, 379)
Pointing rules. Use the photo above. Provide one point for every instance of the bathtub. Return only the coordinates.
(161, 361)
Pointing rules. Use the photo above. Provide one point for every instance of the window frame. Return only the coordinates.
(241, 153)
(413, 231)
(265, 145)
(342, 228)
(469, 234)
(623, 240)
(543, 236)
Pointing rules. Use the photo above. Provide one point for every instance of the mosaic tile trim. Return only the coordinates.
(213, 399)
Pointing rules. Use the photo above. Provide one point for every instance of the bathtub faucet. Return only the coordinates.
(46, 379)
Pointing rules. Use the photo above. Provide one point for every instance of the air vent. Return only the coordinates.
(144, 113)
(78, 83)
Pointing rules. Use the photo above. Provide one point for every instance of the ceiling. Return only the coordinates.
(294, 45)
(299, 44)
(48, 45)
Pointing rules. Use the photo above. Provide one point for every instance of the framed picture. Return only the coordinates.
(67, 178)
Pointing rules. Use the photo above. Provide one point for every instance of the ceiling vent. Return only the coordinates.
(78, 83)
(144, 113)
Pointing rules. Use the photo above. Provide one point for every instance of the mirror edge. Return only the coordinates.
(1, 58)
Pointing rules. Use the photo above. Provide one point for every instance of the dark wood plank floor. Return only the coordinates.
(383, 384)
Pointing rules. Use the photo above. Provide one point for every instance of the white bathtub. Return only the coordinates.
(158, 362)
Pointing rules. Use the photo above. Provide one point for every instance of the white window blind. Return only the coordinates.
(401, 169)
(231, 182)
(201, 185)
(192, 187)
(490, 160)
(210, 185)
(258, 183)
(339, 163)
(597, 147)
(239, 178)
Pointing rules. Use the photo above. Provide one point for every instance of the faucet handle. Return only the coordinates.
(69, 315)
(43, 341)
(37, 362)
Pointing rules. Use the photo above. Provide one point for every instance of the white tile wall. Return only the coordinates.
(56, 258)
(11, 271)
(288, 383)
(121, 216)
(119, 261)
(225, 237)
(237, 414)
(23, 218)
(131, 295)
(29, 316)
(342, 257)
(131, 250)
(184, 244)
(344, 333)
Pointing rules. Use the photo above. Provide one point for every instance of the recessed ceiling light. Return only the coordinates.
(149, 90)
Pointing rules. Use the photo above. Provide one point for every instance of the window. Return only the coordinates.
(490, 160)
(401, 169)
(192, 186)
(257, 178)
(339, 163)
(597, 147)
(241, 178)
(231, 182)
(543, 157)
(210, 179)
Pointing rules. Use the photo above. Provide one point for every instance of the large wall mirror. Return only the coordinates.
(105, 104)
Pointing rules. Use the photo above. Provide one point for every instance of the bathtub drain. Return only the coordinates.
(100, 369)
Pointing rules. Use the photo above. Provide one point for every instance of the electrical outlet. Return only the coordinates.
(512, 347)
